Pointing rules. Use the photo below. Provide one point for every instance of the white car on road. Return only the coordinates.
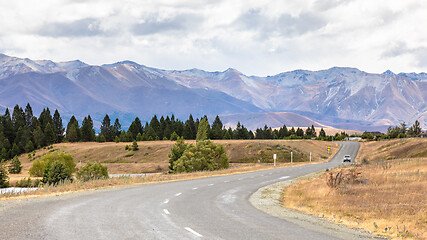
(347, 158)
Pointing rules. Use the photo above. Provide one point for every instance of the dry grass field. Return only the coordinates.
(393, 149)
(387, 194)
(77, 185)
(152, 157)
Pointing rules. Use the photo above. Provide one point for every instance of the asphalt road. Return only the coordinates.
(210, 208)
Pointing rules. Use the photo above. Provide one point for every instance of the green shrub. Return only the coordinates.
(174, 136)
(135, 146)
(3, 177)
(65, 158)
(139, 137)
(92, 171)
(127, 147)
(25, 182)
(176, 152)
(15, 166)
(56, 172)
(130, 154)
(38, 168)
(205, 155)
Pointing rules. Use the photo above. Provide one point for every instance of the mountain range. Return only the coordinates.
(340, 97)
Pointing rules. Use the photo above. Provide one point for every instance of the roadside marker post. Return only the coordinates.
(274, 157)
(329, 149)
(291, 157)
(310, 156)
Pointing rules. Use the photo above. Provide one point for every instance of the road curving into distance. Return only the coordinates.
(209, 208)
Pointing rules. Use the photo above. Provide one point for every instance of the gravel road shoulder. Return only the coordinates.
(267, 200)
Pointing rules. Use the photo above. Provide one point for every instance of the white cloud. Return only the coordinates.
(255, 37)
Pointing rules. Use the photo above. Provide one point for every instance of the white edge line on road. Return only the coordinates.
(240, 179)
(176, 195)
(193, 232)
(226, 181)
(284, 177)
(195, 188)
(166, 211)
(166, 201)
(211, 184)
(270, 173)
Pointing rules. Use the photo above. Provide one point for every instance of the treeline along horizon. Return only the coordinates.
(22, 132)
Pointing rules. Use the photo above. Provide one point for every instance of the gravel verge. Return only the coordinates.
(267, 200)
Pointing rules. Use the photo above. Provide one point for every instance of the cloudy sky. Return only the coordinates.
(256, 37)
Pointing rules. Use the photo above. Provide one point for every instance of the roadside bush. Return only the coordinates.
(92, 171)
(38, 168)
(56, 172)
(15, 166)
(3, 177)
(205, 155)
(27, 182)
(352, 176)
(176, 152)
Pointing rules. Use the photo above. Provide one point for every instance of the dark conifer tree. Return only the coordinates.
(155, 125)
(18, 118)
(300, 132)
(29, 115)
(322, 133)
(292, 131)
(117, 128)
(58, 127)
(189, 130)
(135, 128)
(313, 131)
(38, 137)
(73, 130)
(107, 129)
(45, 117)
(9, 132)
(49, 134)
(87, 131)
(217, 132)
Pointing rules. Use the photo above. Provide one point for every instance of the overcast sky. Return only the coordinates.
(256, 37)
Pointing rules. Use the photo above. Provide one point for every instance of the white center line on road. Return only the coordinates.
(270, 173)
(284, 177)
(166, 211)
(176, 195)
(211, 184)
(195, 188)
(193, 232)
(226, 181)
(240, 179)
(166, 201)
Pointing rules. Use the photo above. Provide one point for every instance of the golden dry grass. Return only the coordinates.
(393, 149)
(77, 185)
(243, 155)
(389, 199)
(153, 156)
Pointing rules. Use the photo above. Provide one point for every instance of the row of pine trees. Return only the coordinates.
(22, 132)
